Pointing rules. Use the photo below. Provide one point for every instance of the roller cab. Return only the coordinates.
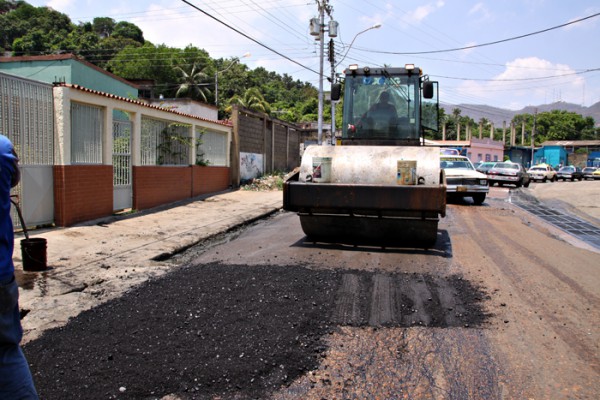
(380, 185)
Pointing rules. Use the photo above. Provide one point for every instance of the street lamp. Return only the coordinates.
(236, 59)
(376, 26)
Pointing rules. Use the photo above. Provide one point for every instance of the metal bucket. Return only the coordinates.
(321, 172)
(407, 172)
(33, 251)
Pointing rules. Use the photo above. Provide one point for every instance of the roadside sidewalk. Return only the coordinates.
(92, 263)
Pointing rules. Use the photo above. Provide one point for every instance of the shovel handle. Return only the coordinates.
(16, 204)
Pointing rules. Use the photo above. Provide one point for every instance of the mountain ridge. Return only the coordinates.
(499, 115)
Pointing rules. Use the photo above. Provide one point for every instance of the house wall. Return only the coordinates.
(156, 185)
(209, 179)
(152, 185)
(485, 150)
(82, 193)
(187, 106)
(50, 69)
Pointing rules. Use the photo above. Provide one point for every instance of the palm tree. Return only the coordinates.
(252, 99)
(192, 83)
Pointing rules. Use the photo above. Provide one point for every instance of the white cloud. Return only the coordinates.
(586, 24)
(420, 13)
(529, 81)
(481, 12)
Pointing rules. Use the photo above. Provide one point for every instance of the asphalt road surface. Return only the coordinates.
(502, 308)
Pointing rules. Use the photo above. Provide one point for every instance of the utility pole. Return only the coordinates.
(318, 29)
(322, 6)
(332, 62)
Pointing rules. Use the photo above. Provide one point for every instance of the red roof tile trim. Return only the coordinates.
(141, 103)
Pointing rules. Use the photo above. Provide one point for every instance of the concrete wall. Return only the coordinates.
(274, 143)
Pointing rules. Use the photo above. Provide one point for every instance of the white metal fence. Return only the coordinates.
(27, 119)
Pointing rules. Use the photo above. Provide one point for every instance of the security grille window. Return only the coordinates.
(213, 147)
(27, 118)
(87, 125)
(164, 142)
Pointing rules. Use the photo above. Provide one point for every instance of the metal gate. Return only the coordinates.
(122, 189)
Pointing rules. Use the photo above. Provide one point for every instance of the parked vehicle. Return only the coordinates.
(542, 173)
(588, 172)
(596, 174)
(508, 173)
(571, 173)
(462, 180)
(485, 166)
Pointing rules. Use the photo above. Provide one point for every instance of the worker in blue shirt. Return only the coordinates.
(15, 378)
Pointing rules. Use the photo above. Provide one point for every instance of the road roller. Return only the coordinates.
(380, 182)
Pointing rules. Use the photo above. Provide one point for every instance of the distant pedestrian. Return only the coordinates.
(15, 378)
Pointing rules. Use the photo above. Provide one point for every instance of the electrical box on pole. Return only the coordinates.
(333, 28)
(331, 49)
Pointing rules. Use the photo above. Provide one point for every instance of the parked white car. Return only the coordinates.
(462, 179)
(542, 173)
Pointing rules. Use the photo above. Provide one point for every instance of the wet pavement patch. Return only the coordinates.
(223, 331)
(571, 224)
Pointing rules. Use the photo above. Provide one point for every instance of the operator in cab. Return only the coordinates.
(384, 107)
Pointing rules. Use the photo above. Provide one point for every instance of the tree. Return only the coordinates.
(103, 26)
(456, 119)
(192, 82)
(33, 42)
(252, 99)
(127, 30)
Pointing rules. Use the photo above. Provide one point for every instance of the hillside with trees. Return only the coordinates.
(120, 47)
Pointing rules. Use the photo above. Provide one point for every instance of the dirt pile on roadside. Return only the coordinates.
(266, 182)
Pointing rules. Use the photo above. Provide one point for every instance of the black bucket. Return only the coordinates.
(33, 251)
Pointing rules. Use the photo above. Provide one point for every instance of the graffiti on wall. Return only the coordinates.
(251, 165)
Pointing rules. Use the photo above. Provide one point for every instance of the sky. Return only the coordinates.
(508, 54)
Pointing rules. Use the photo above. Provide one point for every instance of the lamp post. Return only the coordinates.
(236, 59)
(376, 26)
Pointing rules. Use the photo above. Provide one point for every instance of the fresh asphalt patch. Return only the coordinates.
(567, 222)
(233, 331)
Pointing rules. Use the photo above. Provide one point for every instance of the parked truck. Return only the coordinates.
(382, 183)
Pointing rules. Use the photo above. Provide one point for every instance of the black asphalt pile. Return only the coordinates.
(233, 331)
(199, 332)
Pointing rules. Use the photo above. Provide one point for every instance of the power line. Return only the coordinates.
(518, 79)
(249, 38)
(483, 44)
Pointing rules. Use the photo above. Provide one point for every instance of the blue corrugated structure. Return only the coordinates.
(594, 159)
(551, 155)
